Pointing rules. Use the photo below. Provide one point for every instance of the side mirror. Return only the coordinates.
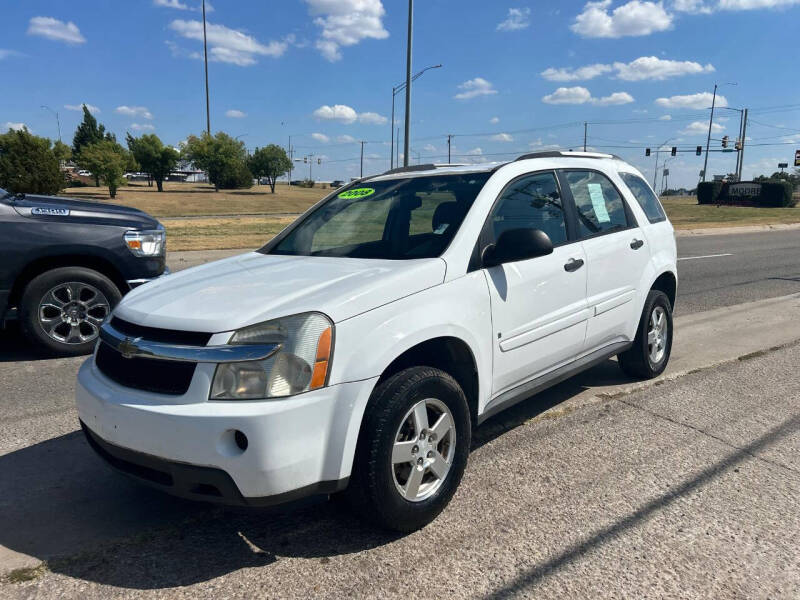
(517, 244)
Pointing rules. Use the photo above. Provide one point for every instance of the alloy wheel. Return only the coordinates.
(71, 312)
(657, 335)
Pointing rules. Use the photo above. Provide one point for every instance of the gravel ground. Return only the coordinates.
(688, 489)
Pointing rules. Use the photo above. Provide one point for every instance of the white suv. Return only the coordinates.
(358, 349)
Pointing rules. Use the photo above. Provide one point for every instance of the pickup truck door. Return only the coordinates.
(539, 309)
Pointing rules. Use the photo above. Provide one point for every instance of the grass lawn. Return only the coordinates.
(251, 217)
(685, 213)
(196, 199)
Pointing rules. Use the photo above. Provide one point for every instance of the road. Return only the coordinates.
(689, 488)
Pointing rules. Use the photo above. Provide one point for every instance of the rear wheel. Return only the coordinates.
(61, 310)
(412, 450)
(649, 355)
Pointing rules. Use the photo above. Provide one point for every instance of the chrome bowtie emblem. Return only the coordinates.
(128, 347)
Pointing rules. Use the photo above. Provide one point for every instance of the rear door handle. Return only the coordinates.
(573, 264)
(636, 244)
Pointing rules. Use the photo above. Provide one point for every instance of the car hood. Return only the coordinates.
(252, 288)
(67, 210)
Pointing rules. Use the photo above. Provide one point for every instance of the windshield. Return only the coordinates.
(392, 219)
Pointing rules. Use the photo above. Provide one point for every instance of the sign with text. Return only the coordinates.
(746, 189)
(797, 158)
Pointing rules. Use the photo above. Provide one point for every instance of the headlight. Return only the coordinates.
(147, 243)
(301, 363)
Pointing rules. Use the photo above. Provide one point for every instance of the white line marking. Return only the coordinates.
(706, 256)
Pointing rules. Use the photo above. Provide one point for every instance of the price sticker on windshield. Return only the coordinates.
(356, 193)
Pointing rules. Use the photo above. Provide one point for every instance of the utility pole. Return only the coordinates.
(58, 121)
(710, 122)
(391, 145)
(449, 137)
(291, 163)
(741, 150)
(205, 60)
(408, 82)
(585, 131)
(362, 158)
(397, 143)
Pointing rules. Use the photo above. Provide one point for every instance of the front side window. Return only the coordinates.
(645, 197)
(600, 208)
(531, 202)
(398, 219)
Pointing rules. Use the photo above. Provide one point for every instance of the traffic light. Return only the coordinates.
(305, 159)
(319, 161)
(738, 144)
(699, 150)
(725, 141)
(674, 150)
(647, 152)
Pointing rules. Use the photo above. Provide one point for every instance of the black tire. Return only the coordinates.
(637, 361)
(41, 285)
(372, 493)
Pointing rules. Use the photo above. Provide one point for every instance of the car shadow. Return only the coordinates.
(15, 347)
(61, 504)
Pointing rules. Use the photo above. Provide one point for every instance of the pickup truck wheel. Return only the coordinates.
(61, 310)
(412, 451)
(649, 355)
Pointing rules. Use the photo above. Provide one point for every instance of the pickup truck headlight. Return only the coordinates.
(149, 243)
(301, 362)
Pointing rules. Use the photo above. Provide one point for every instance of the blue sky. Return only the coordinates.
(516, 76)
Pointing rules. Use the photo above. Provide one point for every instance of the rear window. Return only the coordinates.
(645, 197)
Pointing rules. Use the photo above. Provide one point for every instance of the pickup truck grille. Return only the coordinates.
(148, 374)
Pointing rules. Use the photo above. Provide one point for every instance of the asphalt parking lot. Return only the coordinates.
(684, 489)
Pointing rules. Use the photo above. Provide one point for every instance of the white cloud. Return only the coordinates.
(346, 23)
(755, 4)
(53, 29)
(502, 137)
(337, 112)
(171, 4)
(581, 73)
(699, 100)
(371, 118)
(494, 120)
(475, 87)
(429, 148)
(6, 53)
(665, 118)
(701, 127)
(235, 114)
(347, 115)
(518, 18)
(321, 137)
(142, 127)
(346, 139)
(15, 126)
(691, 6)
(580, 95)
(79, 107)
(134, 111)
(652, 67)
(227, 45)
(634, 18)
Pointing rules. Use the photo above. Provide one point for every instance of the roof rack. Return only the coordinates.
(410, 168)
(564, 154)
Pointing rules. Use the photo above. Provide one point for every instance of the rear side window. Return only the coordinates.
(600, 208)
(645, 197)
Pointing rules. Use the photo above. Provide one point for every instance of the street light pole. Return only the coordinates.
(205, 60)
(396, 90)
(391, 145)
(408, 82)
(58, 121)
(710, 123)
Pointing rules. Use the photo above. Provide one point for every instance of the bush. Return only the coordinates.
(28, 164)
(776, 193)
(708, 192)
(306, 183)
(235, 176)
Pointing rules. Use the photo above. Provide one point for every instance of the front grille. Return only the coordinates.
(149, 374)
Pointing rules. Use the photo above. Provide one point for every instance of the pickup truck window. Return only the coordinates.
(397, 219)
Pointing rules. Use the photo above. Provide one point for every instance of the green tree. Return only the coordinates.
(270, 162)
(153, 157)
(62, 151)
(222, 157)
(28, 164)
(87, 133)
(108, 161)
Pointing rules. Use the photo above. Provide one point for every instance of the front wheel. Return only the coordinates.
(648, 356)
(62, 309)
(412, 450)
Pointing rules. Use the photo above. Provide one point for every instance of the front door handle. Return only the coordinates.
(573, 264)
(636, 244)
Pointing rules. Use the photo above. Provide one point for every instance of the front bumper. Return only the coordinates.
(133, 283)
(296, 446)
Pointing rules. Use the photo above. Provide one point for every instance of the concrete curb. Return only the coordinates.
(735, 230)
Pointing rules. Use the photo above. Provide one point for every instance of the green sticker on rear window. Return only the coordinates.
(356, 193)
